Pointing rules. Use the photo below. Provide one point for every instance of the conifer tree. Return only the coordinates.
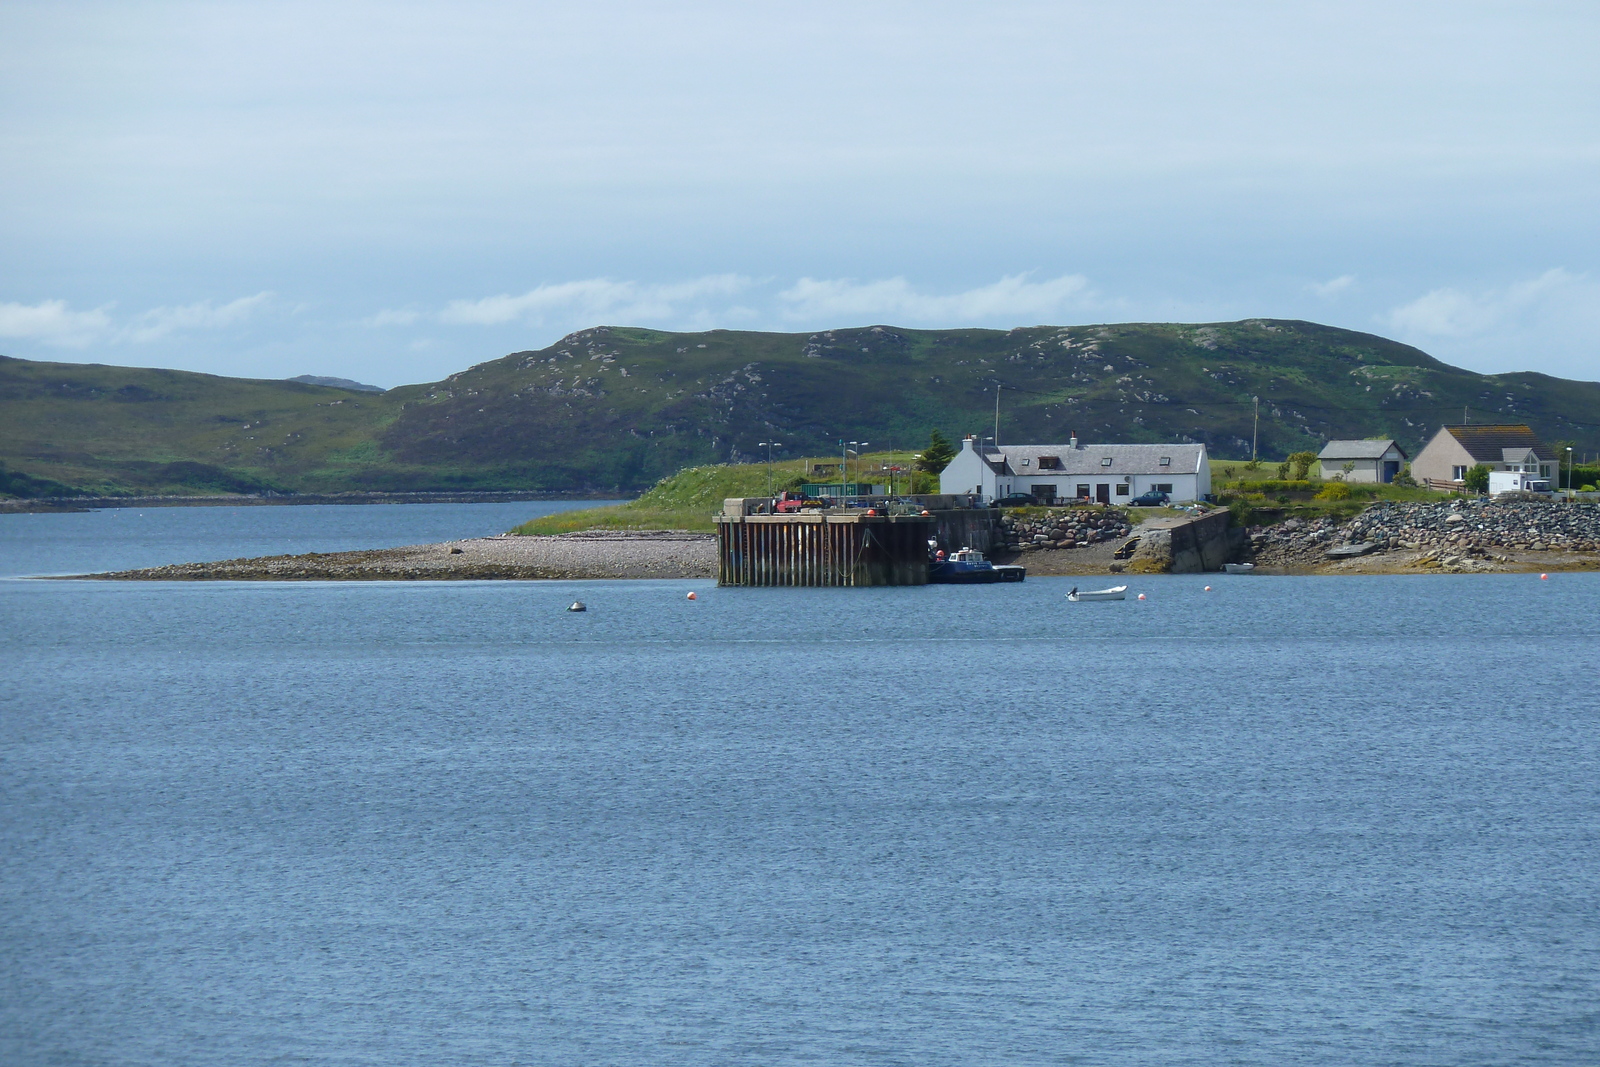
(937, 455)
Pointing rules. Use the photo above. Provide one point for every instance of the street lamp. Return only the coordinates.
(1569, 469)
(769, 446)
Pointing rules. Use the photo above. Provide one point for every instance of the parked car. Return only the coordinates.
(1015, 500)
(1152, 499)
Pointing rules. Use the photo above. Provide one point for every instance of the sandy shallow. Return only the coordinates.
(601, 554)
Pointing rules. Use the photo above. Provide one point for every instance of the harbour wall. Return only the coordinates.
(1186, 546)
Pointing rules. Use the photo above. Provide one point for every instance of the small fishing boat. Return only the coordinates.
(968, 567)
(1238, 568)
(1114, 593)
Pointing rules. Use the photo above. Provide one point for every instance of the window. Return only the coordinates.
(1043, 492)
(1122, 488)
(1083, 491)
(1166, 461)
(1458, 473)
(1544, 470)
(1026, 462)
(1049, 463)
(1105, 461)
(1163, 487)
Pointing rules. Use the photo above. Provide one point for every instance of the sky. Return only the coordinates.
(391, 192)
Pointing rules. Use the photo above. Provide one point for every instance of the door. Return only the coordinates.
(1391, 468)
(1102, 493)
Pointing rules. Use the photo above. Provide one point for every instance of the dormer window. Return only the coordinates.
(1049, 463)
(1105, 461)
(1166, 461)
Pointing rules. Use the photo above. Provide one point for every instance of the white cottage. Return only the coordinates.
(1107, 474)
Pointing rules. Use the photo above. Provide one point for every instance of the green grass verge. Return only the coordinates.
(687, 500)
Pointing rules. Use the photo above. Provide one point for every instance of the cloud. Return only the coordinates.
(1454, 313)
(1010, 298)
(158, 322)
(631, 301)
(1548, 322)
(1330, 289)
(388, 317)
(53, 322)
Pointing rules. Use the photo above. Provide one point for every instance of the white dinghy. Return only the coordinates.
(1114, 593)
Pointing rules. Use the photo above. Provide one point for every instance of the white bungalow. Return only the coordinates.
(1107, 474)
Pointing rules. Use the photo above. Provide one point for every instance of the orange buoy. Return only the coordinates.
(1544, 577)
(1208, 589)
(1141, 596)
(693, 597)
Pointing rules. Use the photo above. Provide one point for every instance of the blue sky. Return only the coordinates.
(391, 192)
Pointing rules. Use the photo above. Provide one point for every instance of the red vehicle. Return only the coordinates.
(790, 501)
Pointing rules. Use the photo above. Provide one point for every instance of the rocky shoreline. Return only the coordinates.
(1455, 536)
(594, 554)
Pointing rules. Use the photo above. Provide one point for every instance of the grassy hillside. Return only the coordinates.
(616, 409)
(119, 429)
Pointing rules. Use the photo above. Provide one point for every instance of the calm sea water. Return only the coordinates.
(125, 538)
(1289, 821)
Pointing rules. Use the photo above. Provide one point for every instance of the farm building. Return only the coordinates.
(1368, 461)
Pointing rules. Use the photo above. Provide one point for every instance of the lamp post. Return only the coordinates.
(1569, 469)
(769, 446)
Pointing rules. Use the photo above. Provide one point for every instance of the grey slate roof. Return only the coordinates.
(1085, 460)
(1357, 449)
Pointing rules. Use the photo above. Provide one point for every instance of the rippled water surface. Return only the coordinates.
(1289, 821)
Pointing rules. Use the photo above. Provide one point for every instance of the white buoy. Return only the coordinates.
(693, 597)
(577, 605)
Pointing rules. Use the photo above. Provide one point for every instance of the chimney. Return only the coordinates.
(1074, 441)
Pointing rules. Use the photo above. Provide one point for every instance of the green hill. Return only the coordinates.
(615, 409)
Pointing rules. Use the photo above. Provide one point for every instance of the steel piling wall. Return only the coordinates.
(822, 550)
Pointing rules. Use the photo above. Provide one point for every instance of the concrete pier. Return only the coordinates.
(821, 548)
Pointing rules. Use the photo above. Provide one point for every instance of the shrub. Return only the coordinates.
(1334, 491)
(1477, 479)
(1404, 479)
(1301, 462)
(1587, 489)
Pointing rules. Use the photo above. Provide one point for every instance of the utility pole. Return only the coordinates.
(1255, 428)
(997, 416)
(769, 445)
